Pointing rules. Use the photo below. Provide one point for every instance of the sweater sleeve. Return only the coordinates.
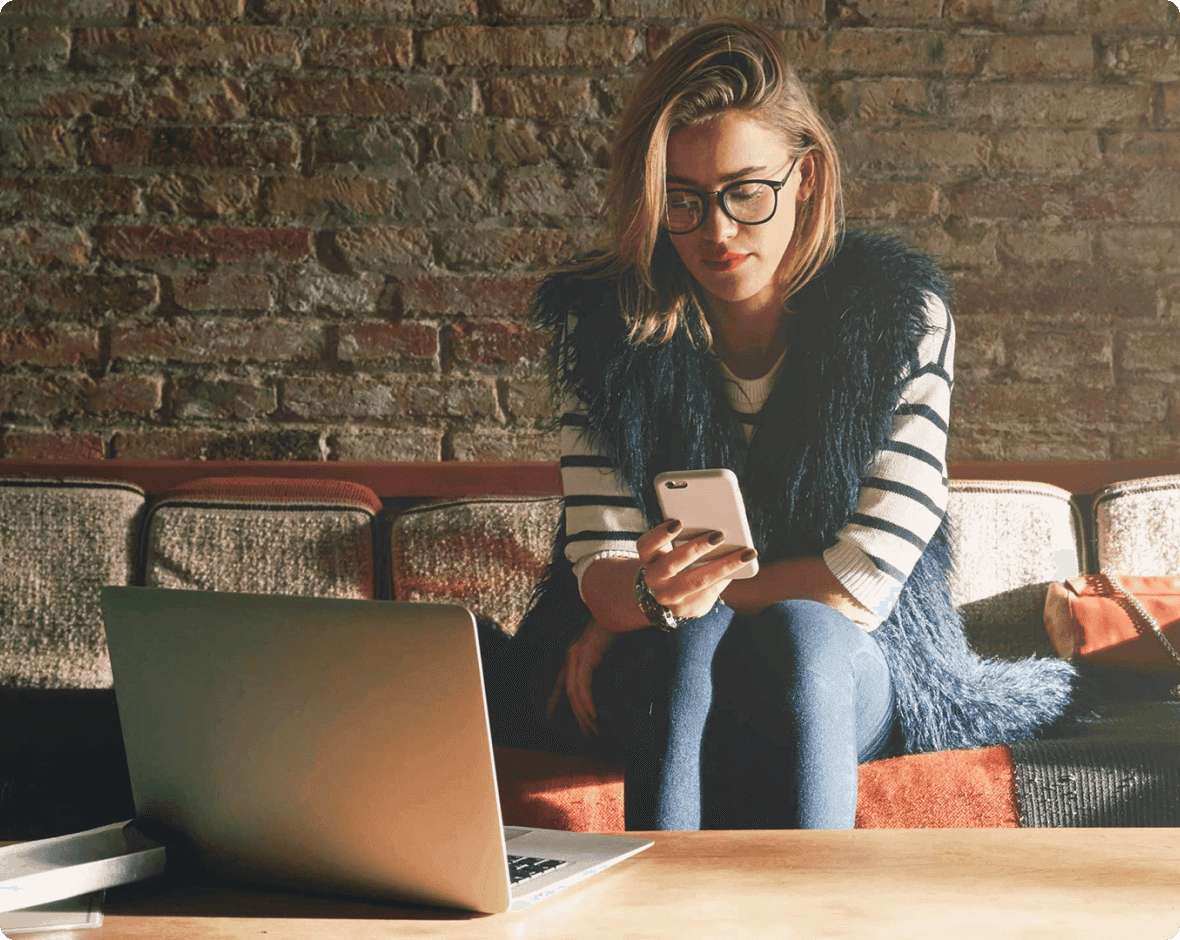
(903, 500)
(602, 517)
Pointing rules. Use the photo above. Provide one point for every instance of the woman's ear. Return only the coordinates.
(806, 177)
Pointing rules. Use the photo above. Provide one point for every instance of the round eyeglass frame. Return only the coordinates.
(721, 196)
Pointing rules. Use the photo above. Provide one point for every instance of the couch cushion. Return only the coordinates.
(1012, 539)
(484, 553)
(264, 536)
(61, 541)
(1137, 526)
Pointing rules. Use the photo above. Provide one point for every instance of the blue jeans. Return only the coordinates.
(737, 722)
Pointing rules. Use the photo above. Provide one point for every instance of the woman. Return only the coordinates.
(732, 324)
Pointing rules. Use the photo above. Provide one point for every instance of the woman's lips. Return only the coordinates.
(726, 262)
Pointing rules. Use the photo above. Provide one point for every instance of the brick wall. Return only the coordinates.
(308, 229)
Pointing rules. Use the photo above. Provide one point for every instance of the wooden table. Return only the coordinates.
(898, 884)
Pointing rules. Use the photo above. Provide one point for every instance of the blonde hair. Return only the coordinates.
(727, 64)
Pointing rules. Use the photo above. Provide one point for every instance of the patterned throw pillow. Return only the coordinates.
(61, 542)
(483, 553)
(1012, 539)
(1137, 526)
(265, 536)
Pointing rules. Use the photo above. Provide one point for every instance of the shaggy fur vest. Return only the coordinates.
(854, 335)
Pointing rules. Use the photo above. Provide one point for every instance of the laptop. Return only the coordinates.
(340, 746)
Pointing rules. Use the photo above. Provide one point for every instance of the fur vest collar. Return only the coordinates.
(854, 332)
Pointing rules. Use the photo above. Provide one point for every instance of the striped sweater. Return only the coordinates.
(899, 507)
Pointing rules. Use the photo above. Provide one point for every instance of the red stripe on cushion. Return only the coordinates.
(942, 790)
(276, 489)
(557, 791)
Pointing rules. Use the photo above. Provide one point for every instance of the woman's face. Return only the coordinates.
(734, 262)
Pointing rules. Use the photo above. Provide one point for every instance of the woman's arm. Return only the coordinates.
(797, 579)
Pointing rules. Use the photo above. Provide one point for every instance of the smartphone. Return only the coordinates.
(707, 501)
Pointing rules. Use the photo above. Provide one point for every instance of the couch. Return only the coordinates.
(479, 534)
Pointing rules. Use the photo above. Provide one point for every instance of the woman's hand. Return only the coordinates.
(684, 590)
(576, 676)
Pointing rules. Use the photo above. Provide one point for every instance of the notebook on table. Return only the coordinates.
(334, 745)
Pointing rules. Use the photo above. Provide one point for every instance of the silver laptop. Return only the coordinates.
(333, 745)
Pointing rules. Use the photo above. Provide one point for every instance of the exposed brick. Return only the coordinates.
(477, 295)
(531, 46)
(980, 350)
(891, 200)
(36, 47)
(377, 148)
(1003, 105)
(876, 12)
(1068, 357)
(44, 245)
(576, 147)
(539, 97)
(378, 341)
(93, 296)
(238, 47)
(211, 98)
(218, 243)
(382, 248)
(71, 12)
(368, 47)
(1069, 14)
(506, 445)
(1141, 246)
(39, 396)
(354, 295)
(529, 398)
(1142, 149)
(385, 444)
(773, 11)
(257, 146)
(1060, 153)
(1153, 59)
(346, 9)
(37, 146)
(223, 291)
(27, 444)
(126, 394)
(222, 399)
(329, 96)
(547, 193)
(1088, 199)
(15, 292)
(509, 143)
(1037, 405)
(1070, 295)
(343, 198)
(963, 244)
(1019, 444)
(200, 444)
(491, 342)
(1149, 352)
(49, 346)
(169, 10)
(885, 51)
(514, 248)
(1035, 243)
(545, 9)
(69, 197)
(911, 150)
(217, 340)
(1155, 197)
(1040, 55)
(64, 95)
(164, 444)
(1171, 105)
(449, 397)
(356, 396)
(888, 102)
(1149, 444)
(207, 196)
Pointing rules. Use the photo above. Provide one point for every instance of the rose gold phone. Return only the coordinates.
(707, 501)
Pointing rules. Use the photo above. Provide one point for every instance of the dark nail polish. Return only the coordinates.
(673, 526)
(716, 538)
(749, 555)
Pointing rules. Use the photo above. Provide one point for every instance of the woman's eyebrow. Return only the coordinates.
(745, 171)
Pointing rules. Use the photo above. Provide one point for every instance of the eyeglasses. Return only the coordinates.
(749, 202)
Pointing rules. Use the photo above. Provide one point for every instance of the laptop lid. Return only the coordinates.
(340, 745)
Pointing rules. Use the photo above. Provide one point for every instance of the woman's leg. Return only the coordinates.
(801, 697)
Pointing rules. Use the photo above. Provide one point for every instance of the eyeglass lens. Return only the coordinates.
(747, 202)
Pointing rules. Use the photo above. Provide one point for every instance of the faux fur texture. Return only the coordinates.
(855, 333)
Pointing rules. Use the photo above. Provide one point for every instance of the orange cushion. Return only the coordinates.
(946, 789)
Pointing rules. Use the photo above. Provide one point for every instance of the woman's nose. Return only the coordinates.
(717, 225)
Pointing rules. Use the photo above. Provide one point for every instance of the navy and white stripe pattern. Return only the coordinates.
(899, 508)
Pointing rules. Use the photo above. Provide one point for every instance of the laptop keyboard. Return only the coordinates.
(523, 867)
